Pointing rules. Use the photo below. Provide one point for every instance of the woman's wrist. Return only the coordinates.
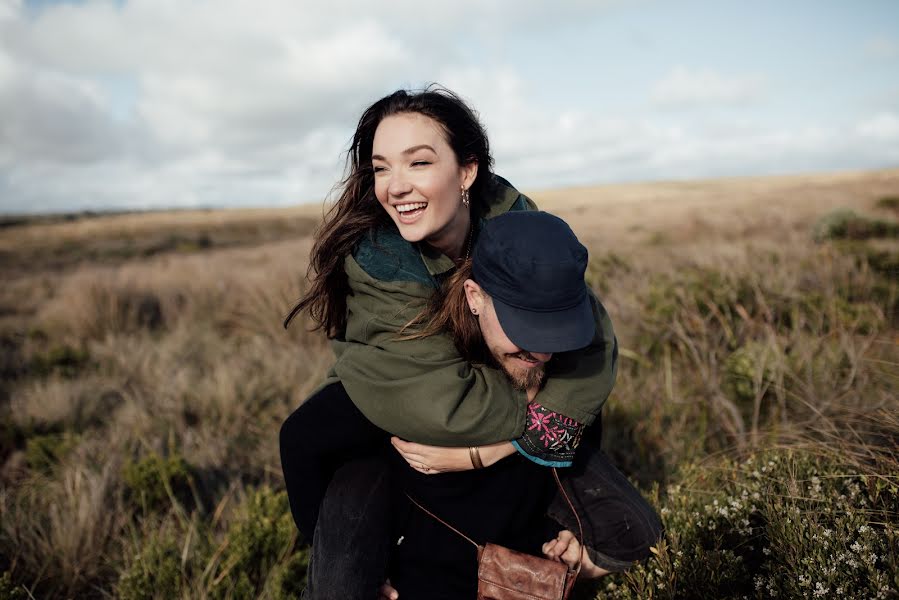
(492, 454)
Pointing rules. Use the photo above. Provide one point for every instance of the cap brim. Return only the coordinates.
(556, 331)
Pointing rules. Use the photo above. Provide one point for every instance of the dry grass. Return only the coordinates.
(740, 335)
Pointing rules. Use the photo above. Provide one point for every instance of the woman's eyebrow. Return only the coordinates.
(407, 151)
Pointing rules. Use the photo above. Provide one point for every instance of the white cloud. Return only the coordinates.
(690, 87)
(883, 126)
(209, 102)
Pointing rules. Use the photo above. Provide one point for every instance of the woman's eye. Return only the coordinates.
(418, 163)
(379, 169)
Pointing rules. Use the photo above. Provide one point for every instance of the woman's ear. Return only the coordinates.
(474, 294)
(469, 172)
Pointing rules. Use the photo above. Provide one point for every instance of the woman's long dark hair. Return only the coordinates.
(357, 210)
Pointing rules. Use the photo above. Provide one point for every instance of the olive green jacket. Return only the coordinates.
(421, 389)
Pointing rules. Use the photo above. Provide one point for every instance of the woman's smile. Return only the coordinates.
(410, 212)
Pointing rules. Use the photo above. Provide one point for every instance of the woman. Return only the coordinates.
(419, 183)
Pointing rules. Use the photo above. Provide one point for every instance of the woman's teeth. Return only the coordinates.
(404, 208)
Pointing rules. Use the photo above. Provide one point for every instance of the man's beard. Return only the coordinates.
(523, 379)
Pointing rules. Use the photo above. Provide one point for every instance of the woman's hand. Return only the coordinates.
(565, 548)
(437, 459)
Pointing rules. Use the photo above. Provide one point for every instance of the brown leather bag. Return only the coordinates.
(505, 574)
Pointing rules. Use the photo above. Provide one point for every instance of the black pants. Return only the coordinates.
(361, 512)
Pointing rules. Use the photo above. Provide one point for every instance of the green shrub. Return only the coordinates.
(781, 524)
(845, 224)
(260, 546)
(289, 578)
(154, 481)
(44, 452)
(11, 591)
(154, 572)
(749, 371)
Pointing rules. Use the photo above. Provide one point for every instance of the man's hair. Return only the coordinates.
(448, 312)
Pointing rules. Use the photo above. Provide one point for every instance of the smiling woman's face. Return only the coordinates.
(419, 181)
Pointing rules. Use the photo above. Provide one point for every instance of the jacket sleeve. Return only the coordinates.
(579, 382)
(423, 391)
(419, 389)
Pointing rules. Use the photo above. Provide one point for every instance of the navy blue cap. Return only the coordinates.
(532, 266)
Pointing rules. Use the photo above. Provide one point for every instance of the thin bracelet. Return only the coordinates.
(473, 452)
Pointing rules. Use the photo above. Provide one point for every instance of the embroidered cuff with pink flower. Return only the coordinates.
(549, 438)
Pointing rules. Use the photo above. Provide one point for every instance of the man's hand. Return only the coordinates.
(565, 548)
(437, 459)
(387, 592)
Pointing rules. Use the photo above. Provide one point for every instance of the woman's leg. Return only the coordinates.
(619, 524)
(322, 434)
(351, 546)
(336, 479)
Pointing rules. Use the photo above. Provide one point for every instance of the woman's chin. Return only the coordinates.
(413, 233)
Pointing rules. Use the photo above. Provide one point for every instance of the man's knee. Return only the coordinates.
(639, 529)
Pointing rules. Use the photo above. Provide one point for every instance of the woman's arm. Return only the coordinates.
(549, 439)
(422, 390)
(418, 389)
(432, 460)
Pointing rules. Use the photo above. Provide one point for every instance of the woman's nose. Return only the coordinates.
(399, 185)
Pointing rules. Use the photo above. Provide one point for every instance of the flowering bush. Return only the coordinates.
(781, 524)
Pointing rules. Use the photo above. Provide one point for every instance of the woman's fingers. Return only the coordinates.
(404, 446)
(415, 460)
(432, 459)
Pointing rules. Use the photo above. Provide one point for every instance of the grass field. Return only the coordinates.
(145, 374)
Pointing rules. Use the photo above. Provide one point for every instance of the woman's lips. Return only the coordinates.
(408, 217)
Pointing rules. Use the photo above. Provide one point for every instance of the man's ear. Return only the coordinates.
(475, 296)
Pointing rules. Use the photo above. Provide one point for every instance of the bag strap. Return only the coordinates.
(415, 502)
(476, 545)
(580, 528)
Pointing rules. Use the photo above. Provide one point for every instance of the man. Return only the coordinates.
(520, 301)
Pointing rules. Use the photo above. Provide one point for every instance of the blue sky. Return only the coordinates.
(176, 103)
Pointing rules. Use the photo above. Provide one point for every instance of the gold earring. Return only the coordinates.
(474, 311)
(466, 200)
